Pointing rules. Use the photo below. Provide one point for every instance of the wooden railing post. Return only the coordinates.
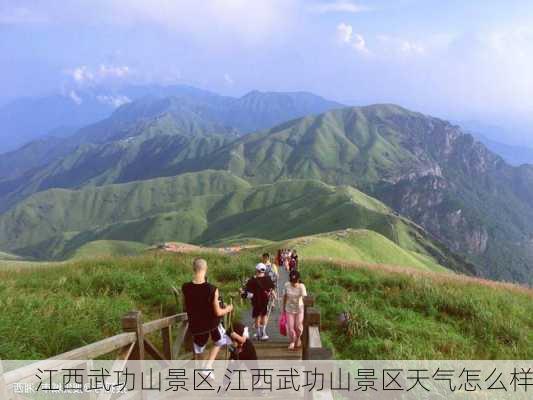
(312, 346)
(309, 301)
(166, 336)
(132, 322)
(311, 317)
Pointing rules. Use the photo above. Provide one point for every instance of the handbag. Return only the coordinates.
(283, 324)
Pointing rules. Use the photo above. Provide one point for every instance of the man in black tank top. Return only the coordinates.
(204, 311)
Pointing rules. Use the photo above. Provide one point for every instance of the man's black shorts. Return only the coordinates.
(200, 340)
(260, 310)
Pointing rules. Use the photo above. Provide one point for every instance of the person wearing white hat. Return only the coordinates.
(259, 289)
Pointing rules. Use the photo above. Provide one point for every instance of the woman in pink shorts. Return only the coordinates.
(293, 306)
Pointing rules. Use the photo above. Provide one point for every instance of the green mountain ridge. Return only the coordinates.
(202, 208)
(192, 111)
(422, 167)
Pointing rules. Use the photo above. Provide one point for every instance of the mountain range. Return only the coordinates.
(203, 168)
(27, 119)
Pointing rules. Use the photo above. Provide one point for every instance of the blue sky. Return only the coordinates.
(460, 59)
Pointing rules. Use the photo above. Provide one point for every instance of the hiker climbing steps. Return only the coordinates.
(275, 348)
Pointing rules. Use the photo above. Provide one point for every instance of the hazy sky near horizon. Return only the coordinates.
(461, 59)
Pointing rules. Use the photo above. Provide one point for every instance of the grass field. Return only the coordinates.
(358, 245)
(396, 312)
(104, 248)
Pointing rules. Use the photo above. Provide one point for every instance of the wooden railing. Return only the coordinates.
(312, 348)
(132, 344)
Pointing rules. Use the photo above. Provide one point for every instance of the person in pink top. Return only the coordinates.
(293, 306)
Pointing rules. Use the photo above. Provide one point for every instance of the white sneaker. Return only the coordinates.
(264, 337)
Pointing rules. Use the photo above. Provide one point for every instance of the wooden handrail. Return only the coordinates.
(122, 341)
(159, 324)
(132, 343)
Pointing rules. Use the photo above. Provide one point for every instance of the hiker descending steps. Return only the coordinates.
(260, 289)
(293, 308)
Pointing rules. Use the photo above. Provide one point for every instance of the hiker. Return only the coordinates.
(271, 269)
(286, 265)
(243, 348)
(293, 262)
(204, 310)
(260, 289)
(279, 259)
(293, 306)
(242, 355)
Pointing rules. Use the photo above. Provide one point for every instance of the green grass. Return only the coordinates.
(52, 310)
(102, 248)
(396, 313)
(359, 245)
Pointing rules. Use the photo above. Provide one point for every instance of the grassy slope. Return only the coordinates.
(404, 314)
(359, 245)
(397, 313)
(49, 216)
(356, 145)
(102, 248)
(203, 207)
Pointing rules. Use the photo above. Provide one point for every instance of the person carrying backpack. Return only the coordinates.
(204, 310)
(260, 289)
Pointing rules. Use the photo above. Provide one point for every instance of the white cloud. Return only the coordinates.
(358, 43)
(339, 6)
(346, 36)
(115, 101)
(81, 74)
(85, 75)
(75, 98)
(344, 32)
